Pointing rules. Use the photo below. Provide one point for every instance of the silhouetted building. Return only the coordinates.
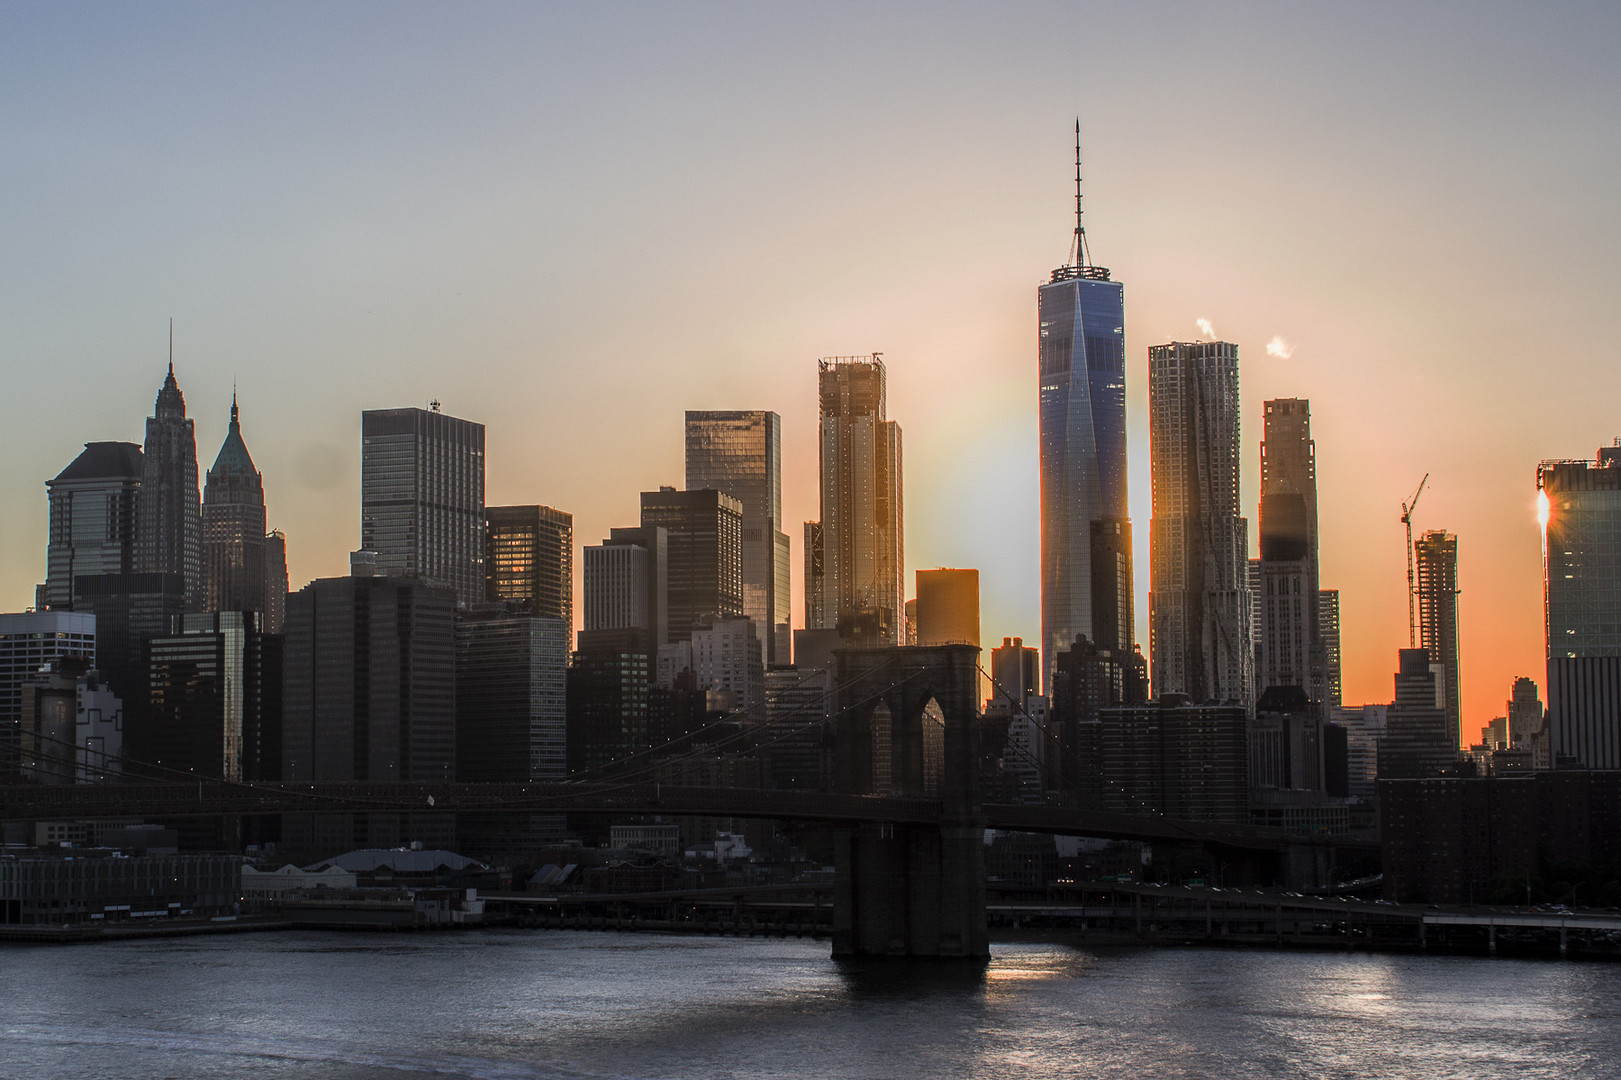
(1016, 672)
(214, 707)
(1086, 681)
(704, 544)
(1286, 741)
(1174, 758)
(856, 559)
(1437, 556)
(947, 607)
(1524, 712)
(130, 610)
(422, 497)
(1292, 652)
(92, 518)
(275, 581)
(1199, 603)
(740, 454)
(609, 676)
(235, 572)
(1086, 572)
(28, 642)
(169, 521)
(1328, 630)
(797, 748)
(529, 560)
(71, 725)
(1419, 740)
(1580, 504)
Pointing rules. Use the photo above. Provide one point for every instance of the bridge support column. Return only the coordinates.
(910, 891)
(1308, 867)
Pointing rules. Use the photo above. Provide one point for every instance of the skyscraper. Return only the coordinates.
(1419, 740)
(1579, 503)
(422, 497)
(1437, 555)
(235, 573)
(1199, 604)
(529, 559)
(92, 518)
(704, 531)
(1524, 712)
(215, 699)
(1291, 651)
(169, 521)
(1328, 629)
(627, 583)
(861, 550)
(28, 642)
(1085, 571)
(275, 581)
(948, 607)
(740, 453)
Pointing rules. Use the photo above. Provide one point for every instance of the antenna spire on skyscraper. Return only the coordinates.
(171, 337)
(1082, 256)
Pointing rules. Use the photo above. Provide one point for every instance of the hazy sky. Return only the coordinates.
(572, 222)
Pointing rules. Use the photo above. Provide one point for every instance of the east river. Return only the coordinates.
(506, 1005)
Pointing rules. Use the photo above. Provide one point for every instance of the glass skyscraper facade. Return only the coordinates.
(529, 559)
(1083, 463)
(422, 497)
(1291, 649)
(740, 454)
(1580, 506)
(169, 517)
(93, 517)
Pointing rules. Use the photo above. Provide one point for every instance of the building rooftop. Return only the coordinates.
(103, 461)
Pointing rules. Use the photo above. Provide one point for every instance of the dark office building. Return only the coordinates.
(215, 699)
(705, 551)
(608, 680)
(92, 518)
(369, 694)
(130, 610)
(1419, 739)
(1015, 673)
(529, 560)
(169, 519)
(1437, 556)
(1175, 758)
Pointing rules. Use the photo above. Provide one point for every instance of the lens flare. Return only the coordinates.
(1542, 510)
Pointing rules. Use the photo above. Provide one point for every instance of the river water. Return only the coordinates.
(563, 1005)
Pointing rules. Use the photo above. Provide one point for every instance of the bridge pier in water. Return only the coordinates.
(906, 724)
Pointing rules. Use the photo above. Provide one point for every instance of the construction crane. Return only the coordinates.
(1412, 587)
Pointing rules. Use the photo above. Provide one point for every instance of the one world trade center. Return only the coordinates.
(1086, 582)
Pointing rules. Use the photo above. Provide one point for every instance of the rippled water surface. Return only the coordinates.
(576, 1005)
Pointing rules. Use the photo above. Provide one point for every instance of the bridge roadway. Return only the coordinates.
(208, 798)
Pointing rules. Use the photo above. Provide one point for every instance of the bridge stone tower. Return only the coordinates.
(906, 725)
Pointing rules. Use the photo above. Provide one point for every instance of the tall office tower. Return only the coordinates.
(796, 708)
(627, 583)
(130, 610)
(28, 642)
(92, 518)
(169, 520)
(422, 497)
(1437, 555)
(1419, 740)
(215, 699)
(511, 672)
(1082, 373)
(529, 559)
(1291, 641)
(275, 581)
(1199, 603)
(1016, 672)
(1328, 631)
(609, 675)
(1580, 507)
(740, 453)
(859, 544)
(704, 531)
(234, 572)
(948, 607)
(1524, 712)
(370, 681)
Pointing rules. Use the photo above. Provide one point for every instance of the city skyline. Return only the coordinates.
(954, 330)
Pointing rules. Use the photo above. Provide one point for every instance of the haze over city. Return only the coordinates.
(571, 226)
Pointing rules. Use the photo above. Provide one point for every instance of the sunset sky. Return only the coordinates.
(573, 222)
